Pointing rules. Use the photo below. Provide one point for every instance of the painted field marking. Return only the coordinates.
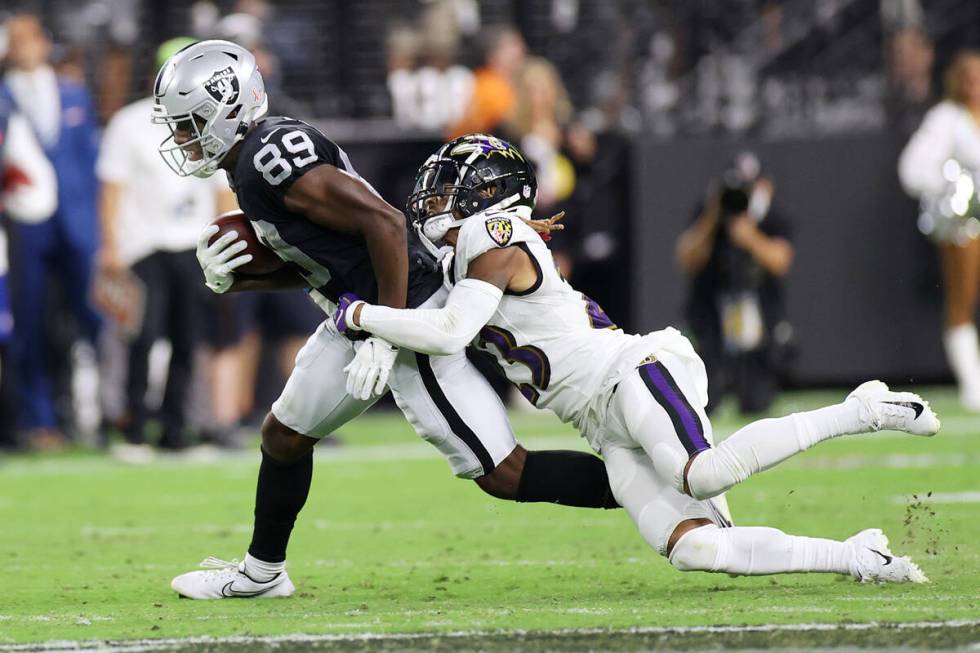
(141, 645)
(938, 497)
(423, 451)
(886, 461)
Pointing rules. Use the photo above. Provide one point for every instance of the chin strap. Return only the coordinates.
(435, 228)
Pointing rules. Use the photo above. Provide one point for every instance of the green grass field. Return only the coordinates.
(390, 543)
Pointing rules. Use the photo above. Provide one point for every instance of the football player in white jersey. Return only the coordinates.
(638, 400)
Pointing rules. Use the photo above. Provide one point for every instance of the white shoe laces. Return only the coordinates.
(898, 412)
(217, 564)
(867, 412)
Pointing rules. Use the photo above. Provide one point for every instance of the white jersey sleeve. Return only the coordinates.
(489, 230)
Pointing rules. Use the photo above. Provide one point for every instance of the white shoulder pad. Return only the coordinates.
(490, 230)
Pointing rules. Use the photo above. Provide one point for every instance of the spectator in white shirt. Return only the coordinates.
(151, 220)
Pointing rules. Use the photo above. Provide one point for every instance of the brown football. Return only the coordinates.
(264, 260)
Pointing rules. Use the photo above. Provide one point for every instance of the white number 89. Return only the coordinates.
(270, 162)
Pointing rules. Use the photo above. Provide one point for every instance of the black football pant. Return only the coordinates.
(173, 311)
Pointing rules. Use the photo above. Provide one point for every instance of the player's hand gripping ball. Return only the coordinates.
(219, 257)
(264, 261)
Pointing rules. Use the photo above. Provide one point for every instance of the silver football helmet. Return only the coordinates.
(209, 94)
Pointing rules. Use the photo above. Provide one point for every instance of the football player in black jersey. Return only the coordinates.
(337, 235)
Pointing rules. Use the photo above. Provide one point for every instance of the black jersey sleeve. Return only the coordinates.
(278, 151)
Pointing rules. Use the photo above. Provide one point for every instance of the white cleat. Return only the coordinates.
(882, 409)
(227, 580)
(875, 563)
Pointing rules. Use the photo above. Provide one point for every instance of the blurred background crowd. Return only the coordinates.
(663, 127)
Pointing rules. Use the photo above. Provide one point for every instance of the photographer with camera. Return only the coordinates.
(736, 252)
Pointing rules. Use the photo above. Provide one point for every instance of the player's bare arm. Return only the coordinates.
(337, 200)
(508, 268)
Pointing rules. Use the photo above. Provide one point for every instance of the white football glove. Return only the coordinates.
(218, 260)
(367, 374)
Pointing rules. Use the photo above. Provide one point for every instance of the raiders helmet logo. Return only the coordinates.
(223, 85)
(500, 229)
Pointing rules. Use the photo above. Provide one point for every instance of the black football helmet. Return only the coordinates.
(466, 176)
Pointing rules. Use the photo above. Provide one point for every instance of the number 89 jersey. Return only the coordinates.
(274, 154)
(554, 343)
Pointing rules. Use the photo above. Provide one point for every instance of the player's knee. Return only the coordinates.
(698, 475)
(697, 547)
(282, 443)
(710, 472)
(497, 486)
(504, 481)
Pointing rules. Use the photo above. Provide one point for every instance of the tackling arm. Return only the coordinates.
(437, 331)
(447, 330)
(335, 199)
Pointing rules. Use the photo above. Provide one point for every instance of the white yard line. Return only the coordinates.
(142, 645)
(423, 451)
(886, 461)
(394, 452)
(938, 497)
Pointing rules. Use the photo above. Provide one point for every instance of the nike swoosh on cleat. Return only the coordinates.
(229, 592)
(914, 405)
(887, 559)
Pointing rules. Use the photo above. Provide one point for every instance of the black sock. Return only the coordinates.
(571, 478)
(279, 496)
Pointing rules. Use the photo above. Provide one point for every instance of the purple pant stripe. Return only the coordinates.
(686, 422)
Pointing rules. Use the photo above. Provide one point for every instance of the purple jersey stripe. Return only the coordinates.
(686, 422)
